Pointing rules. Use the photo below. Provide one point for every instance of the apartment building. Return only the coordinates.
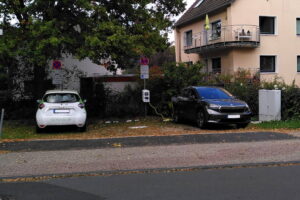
(258, 35)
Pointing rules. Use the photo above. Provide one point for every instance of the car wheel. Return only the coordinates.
(38, 129)
(201, 119)
(82, 129)
(243, 125)
(176, 117)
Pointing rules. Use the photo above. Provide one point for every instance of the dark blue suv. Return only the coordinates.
(210, 105)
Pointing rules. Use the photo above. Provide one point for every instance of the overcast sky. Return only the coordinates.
(188, 4)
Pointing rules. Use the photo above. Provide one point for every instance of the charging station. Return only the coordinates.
(146, 96)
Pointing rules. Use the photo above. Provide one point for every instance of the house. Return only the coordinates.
(64, 73)
(258, 35)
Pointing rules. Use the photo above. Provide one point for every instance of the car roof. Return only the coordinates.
(61, 91)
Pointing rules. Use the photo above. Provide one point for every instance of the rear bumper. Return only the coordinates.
(63, 120)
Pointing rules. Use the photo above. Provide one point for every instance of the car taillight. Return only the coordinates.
(41, 106)
(81, 105)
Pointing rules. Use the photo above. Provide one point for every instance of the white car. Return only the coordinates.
(59, 108)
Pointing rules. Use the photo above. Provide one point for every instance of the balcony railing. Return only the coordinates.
(227, 36)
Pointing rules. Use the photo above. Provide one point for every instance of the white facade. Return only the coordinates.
(73, 69)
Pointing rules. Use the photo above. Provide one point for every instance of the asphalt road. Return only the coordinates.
(261, 183)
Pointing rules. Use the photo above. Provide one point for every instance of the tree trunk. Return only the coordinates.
(38, 81)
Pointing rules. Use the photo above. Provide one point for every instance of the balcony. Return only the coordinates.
(234, 36)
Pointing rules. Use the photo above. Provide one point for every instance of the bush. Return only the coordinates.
(103, 102)
(242, 84)
(173, 77)
(24, 109)
(124, 104)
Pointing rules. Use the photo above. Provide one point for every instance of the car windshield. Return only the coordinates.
(61, 98)
(213, 93)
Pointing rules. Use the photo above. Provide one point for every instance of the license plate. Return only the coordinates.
(234, 116)
(61, 111)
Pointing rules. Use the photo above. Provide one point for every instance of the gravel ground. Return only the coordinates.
(170, 156)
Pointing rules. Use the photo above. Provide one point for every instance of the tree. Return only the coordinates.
(163, 57)
(37, 31)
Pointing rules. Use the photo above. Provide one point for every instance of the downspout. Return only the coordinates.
(178, 41)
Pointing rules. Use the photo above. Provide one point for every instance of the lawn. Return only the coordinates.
(289, 124)
(24, 130)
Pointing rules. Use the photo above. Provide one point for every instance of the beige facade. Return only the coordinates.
(240, 42)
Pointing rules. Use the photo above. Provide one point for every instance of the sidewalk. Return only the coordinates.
(271, 148)
(71, 144)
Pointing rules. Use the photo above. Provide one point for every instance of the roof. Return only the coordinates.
(61, 91)
(206, 7)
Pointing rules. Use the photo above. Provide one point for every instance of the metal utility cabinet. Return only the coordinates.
(269, 105)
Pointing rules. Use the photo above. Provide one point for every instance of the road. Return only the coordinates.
(259, 183)
(260, 166)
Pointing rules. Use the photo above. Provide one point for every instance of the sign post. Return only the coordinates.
(1, 122)
(144, 70)
(57, 78)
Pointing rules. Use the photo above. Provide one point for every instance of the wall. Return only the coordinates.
(73, 69)
(196, 27)
(285, 44)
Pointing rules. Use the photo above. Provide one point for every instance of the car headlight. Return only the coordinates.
(214, 106)
(247, 107)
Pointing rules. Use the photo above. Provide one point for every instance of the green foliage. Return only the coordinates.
(242, 84)
(37, 31)
(120, 30)
(288, 124)
(124, 104)
(175, 77)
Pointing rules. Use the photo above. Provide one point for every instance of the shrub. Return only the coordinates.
(123, 104)
(174, 77)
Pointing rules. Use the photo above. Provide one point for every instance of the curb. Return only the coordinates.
(48, 145)
(43, 177)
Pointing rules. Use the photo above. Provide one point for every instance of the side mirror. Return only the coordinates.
(84, 101)
(38, 101)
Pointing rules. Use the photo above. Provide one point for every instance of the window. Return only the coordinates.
(267, 63)
(298, 63)
(267, 25)
(216, 30)
(213, 93)
(216, 65)
(298, 26)
(61, 98)
(188, 38)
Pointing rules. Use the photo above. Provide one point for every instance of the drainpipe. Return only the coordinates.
(178, 41)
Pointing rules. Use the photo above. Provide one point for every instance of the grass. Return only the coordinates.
(289, 124)
(25, 130)
(21, 130)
